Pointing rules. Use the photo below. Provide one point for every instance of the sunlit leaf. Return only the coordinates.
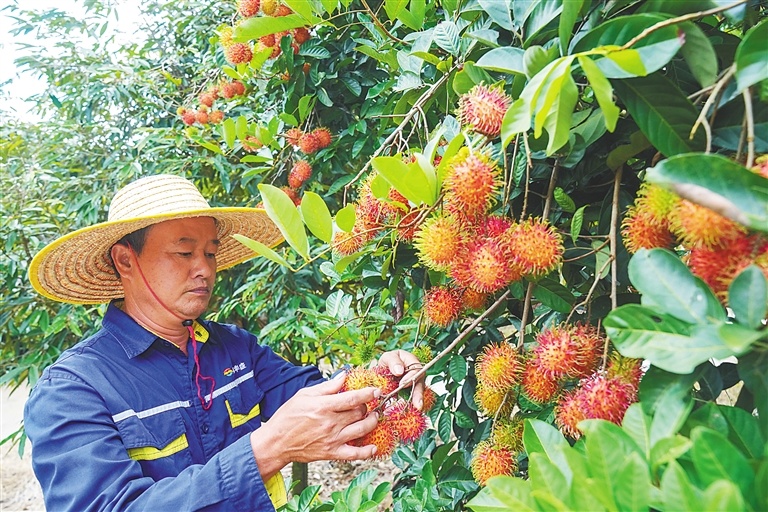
(286, 217)
(316, 216)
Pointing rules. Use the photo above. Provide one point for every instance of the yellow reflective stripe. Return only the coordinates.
(152, 453)
(240, 419)
(201, 334)
(276, 490)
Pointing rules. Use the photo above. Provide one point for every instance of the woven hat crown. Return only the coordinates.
(156, 195)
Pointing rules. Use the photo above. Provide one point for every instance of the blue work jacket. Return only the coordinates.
(116, 422)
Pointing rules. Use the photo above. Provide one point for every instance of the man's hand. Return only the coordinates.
(405, 365)
(315, 424)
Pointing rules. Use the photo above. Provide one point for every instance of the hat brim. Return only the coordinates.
(77, 269)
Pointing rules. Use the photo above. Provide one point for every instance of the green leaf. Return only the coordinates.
(253, 28)
(724, 495)
(564, 200)
(228, 131)
(571, 11)
(663, 113)
(499, 11)
(261, 249)
(699, 54)
(316, 216)
(538, 19)
(638, 142)
(603, 92)
(718, 183)
(677, 491)
(506, 59)
(743, 431)
(457, 367)
(661, 388)
(345, 218)
(558, 122)
(640, 332)
(409, 180)
(671, 412)
(285, 215)
(302, 8)
(633, 491)
(667, 283)
(554, 295)
(241, 127)
(393, 8)
(576, 222)
(753, 370)
(516, 120)
(444, 426)
(750, 59)
(602, 256)
(541, 437)
(669, 449)
(446, 36)
(545, 476)
(715, 458)
(637, 425)
(502, 494)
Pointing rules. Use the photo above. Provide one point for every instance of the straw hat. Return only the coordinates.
(77, 269)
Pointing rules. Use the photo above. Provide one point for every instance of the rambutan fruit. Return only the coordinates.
(308, 143)
(238, 87)
(538, 386)
(430, 399)
(201, 117)
(370, 215)
(293, 194)
(438, 241)
(385, 380)
(346, 243)
(568, 414)
(206, 98)
(536, 247)
(407, 421)
(718, 266)
(269, 7)
(251, 143)
(471, 184)
(365, 350)
(268, 40)
(695, 225)
(226, 35)
(598, 398)
(483, 108)
(299, 174)
(293, 135)
(483, 264)
(189, 117)
(238, 53)
(383, 437)
(570, 351)
(228, 90)
(493, 402)
(301, 35)
(498, 366)
(247, 8)
(215, 116)
(628, 369)
(283, 10)
(639, 230)
(323, 137)
(509, 433)
(495, 226)
(442, 305)
(473, 300)
(657, 201)
(423, 353)
(489, 460)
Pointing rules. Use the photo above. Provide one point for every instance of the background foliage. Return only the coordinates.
(385, 78)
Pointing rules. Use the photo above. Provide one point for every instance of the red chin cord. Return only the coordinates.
(186, 322)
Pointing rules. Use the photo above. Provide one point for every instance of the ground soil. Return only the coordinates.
(20, 491)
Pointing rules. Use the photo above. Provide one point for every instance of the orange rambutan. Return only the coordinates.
(301, 35)
(430, 399)
(407, 421)
(494, 402)
(216, 116)
(408, 226)
(442, 305)
(383, 437)
(509, 433)
(251, 143)
(346, 243)
(247, 8)
(571, 351)
(489, 460)
(293, 135)
(201, 117)
(283, 10)
(598, 397)
(385, 380)
(238, 53)
(189, 117)
(538, 386)
(471, 184)
(568, 414)
(639, 230)
(483, 109)
(293, 194)
(484, 264)
(473, 300)
(323, 137)
(695, 225)
(498, 366)
(206, 98)
(308, 143)
(657, 201)
(300, 173)
(718, 266)
(628, 369)
(228, 90)
(438, 241)
(536, 247)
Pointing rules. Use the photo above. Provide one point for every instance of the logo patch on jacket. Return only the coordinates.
(228, 372)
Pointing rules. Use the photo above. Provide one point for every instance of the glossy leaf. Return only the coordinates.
(446, 36)
(502, 494)
(316, 216)
(699, 54)
(505, 59)
(677, 491)
(662, 112)
(743, 431)
(553, 294)
(499, 11)
(250, 29)
(719, 183)
(637, 425)
(568, 18)
(667, 283)
(603, 92)
(411, 181)
(668, 449)
(541, 437)
(751, 66)
(228, 131)
(753, 370)
(538, 19)
(715, 458)
(516, 120)
(576, 223)
(545, 476)
(345, 218)
(261, 249)
(634, 489)
(286, 217)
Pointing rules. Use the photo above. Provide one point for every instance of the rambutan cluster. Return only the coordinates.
(400, 421)
(718, 248)
(309, 142)
(205, 113)
(482, 109)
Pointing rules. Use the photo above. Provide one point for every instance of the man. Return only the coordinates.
(160, 409)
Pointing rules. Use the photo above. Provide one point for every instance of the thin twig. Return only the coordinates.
(528, 167)
(593, 251)
(711, 100)
(674, 21)
(379, 24)
(749, 116)
(512, 170)
(612, 234)
(591, 290)
(466, 332)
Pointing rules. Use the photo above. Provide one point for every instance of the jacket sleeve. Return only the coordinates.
(83, 465)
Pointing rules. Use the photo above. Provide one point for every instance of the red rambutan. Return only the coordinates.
(484, 264)
(442, 305)
(572, 351)
(408, 226)
(430, 399)
(301, 35)
(268, 40)
(408, 422)
(189, 117)
(216, 116)
(299, 174)
(283, 10)
(536, 247)
(293, 135)
(308, 143)
(238, 53)
(201, 117)
(346, 243)
(473, 300)
(597, 398)
(251, 143)
(538, 386)
(483, 109)
(489, 460)
(206, 98)
(248, 8)
(293, 194)
(568, 414)
(471, 184)
(323, 137)
(383, 437)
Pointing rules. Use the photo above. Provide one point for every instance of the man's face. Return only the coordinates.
(179, 262)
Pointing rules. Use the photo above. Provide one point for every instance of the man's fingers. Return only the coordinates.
(347, 452)
(358, 429)
(352, 399)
